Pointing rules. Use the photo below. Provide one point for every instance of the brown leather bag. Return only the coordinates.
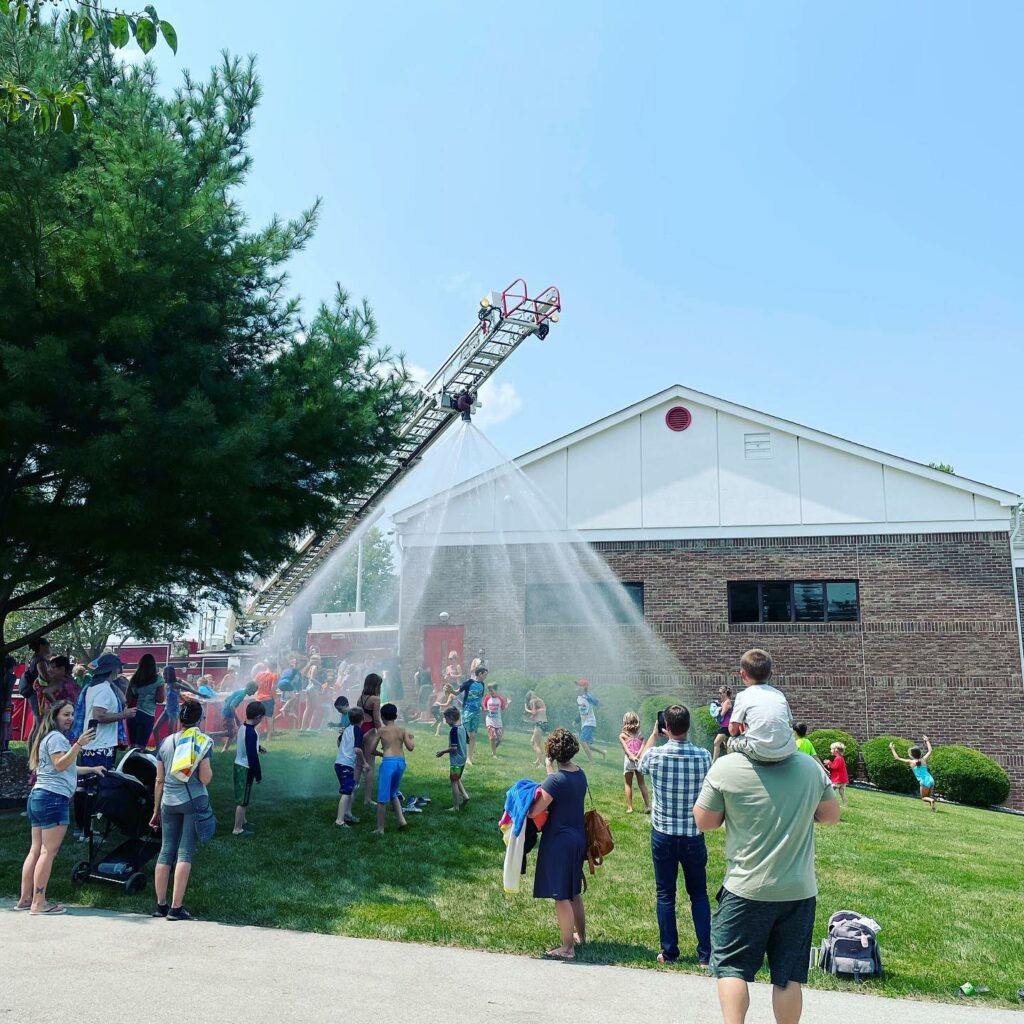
(599, 836)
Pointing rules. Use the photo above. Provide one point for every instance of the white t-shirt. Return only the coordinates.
(47, 777)
(764, 711)
(101, 697)
(493, 706)
(347, 746)
(587, 714)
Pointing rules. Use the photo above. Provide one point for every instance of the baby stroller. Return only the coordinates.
(123, 803)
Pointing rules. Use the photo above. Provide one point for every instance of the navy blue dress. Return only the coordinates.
(563, 843)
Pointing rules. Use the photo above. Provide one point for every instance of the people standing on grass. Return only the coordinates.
(537, 715)
(174, 815)
(586, 702)
(632, 743)
(767, 901)
(494, 704)
(369, 702)
(174, 687)
(229, 713)
(346, 766)
(145, 684)
(247, 767)
(266, 691)
(392, 743)
(471, 693)
(457, 751)
(52, 757)
(677, 770)
(918, 761)
(101, 703)
(563, 843)
(35, 682)
(290, 686)
(836, 767)
(724, 718)
(803, 744)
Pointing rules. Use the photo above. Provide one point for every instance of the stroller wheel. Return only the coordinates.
(80, 872)
(136, 883)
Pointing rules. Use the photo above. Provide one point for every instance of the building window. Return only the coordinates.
(596, 604)
(782, 601)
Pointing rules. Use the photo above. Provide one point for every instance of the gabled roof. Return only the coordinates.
(677, 391)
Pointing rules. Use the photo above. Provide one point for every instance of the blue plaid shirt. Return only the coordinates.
(677, 771)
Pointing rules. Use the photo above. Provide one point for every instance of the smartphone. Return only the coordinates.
(662, 727)
(92, 724)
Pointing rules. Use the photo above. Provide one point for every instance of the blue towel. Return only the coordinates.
(518, 801)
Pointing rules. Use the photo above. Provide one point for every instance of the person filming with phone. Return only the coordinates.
(677, 770)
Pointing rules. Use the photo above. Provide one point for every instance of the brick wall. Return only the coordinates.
(936, 650)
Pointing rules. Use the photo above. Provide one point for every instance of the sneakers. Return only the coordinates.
(351, 819)
(179, 914)
(161, 910)
(412, 807)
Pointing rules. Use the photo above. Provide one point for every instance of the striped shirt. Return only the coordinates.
(677, 771)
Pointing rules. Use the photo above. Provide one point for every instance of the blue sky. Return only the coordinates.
(814, 210)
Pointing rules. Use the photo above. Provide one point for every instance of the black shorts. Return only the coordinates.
(744, 931)
(723, 730)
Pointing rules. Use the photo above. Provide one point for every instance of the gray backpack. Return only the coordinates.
(850, 948)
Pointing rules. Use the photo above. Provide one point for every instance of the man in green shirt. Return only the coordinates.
(767, 901)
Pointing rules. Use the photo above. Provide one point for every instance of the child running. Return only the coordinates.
(494, 704)
(392, 743)
(350, 752)
(229, 712)
(457, 753)
(632, 743)
(836, 765)
(918, 762)
(585, 704)
(247, 765)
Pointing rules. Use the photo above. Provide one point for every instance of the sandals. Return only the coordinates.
(18, 906)
(52, 910)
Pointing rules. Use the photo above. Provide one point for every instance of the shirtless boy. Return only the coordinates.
(392, 743)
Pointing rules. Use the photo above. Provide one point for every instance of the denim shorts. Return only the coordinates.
(48, 810)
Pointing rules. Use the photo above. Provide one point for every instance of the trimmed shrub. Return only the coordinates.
(883, 770)
(822, 740)
(968, 776)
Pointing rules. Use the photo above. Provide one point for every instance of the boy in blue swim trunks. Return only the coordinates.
(918, 762)
(392, 743)
(585, 704)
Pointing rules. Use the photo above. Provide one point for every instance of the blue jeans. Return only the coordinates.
(690, 852)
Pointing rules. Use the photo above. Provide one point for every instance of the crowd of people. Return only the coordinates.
(762, 781)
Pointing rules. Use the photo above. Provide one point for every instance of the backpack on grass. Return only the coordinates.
(850, 948)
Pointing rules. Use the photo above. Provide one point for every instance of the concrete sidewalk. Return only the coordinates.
(98, 967)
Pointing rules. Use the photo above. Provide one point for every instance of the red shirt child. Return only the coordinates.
(837, 769)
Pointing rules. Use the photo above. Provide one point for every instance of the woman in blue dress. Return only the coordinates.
(563, 843)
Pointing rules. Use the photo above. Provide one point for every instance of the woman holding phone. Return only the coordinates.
(53, 757)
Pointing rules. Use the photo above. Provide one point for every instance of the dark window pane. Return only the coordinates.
(775, 604)
(809, 602)
(842, 602)
(743, 603)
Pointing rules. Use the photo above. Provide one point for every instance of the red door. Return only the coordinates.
(438, 643)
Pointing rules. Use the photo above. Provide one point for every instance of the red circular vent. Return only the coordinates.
(678, 418)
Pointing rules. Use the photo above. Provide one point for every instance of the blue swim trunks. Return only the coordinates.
(587, 734)
(389, 778)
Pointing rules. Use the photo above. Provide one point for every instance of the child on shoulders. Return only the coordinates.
(761, 722)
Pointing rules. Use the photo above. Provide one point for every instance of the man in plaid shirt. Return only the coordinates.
(677, 771)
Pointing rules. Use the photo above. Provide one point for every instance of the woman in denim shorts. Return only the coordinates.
(53, 757)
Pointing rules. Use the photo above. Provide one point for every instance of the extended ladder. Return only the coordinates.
(503, 323)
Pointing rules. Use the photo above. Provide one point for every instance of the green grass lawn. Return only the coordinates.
(945, 886)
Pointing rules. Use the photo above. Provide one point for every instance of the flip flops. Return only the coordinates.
(557, 954)
(19, 907)
(51, 911)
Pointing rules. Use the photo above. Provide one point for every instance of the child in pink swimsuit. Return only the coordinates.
(632, 743)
